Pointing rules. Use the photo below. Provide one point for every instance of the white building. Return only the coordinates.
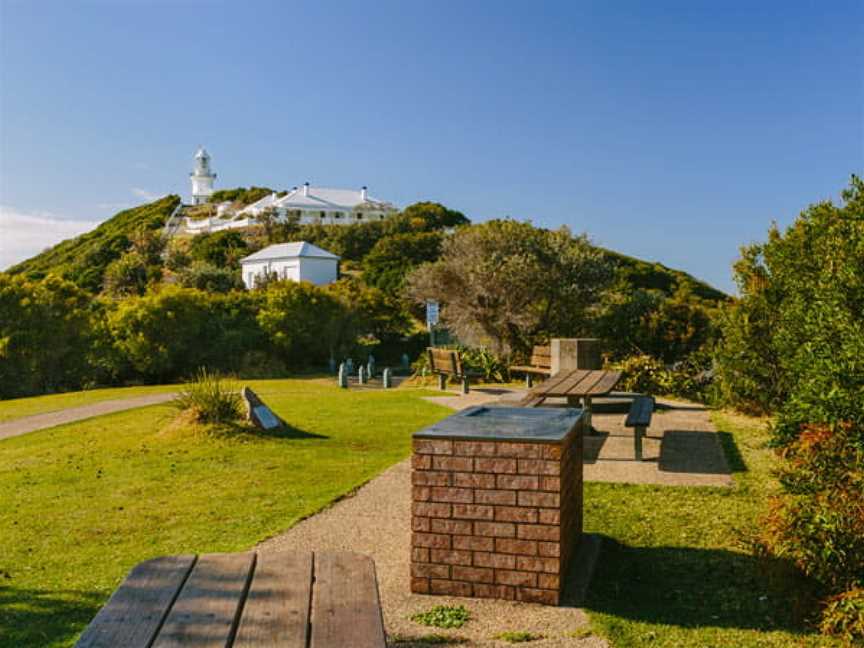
(300, 261)
(202, 178)
(320, 205)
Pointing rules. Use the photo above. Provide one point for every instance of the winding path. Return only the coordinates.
(17, 427)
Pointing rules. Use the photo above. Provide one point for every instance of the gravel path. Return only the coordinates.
(36, 422)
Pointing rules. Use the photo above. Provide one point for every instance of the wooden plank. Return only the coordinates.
(607, 383)
(550, 387)
(345, 606)
(277, 607)
(570, 385)
(135, 611)
(588, 384)
(206, 612)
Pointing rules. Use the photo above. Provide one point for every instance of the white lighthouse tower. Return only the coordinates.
(202, 178)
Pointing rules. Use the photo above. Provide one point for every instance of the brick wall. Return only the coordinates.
(495, 519)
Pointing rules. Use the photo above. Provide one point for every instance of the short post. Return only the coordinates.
(442, 381)
(361, 375)
(349, 363)
(343, 375)
(465, 386)
(529, 380)
(406, 362)
(332, 364)
(386, 378)
(370, 366)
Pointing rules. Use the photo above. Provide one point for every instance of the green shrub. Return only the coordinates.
(644, 375)
(210, 278)
(843, 616)
(209, 398)
(518, 636)
(443, 616)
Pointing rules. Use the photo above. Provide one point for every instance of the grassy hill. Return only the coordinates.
(83, 259)
(643, 274)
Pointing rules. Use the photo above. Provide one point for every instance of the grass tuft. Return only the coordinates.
(517, 636)
(443, 616)
(210, 398)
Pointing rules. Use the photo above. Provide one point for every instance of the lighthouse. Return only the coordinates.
(202, 178)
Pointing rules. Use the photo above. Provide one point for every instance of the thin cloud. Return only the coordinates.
(146, 195)
(26, 234)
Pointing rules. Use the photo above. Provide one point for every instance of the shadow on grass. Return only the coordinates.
(733, 455)
(692, 588)
(38, 618)
(247, 432)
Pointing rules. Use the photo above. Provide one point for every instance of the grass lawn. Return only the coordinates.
(18, 407)
(82, 503)
(676, 571)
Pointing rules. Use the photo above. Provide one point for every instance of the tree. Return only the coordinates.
(222, 249)
(394, 257)
(506, 283)
(139, 267)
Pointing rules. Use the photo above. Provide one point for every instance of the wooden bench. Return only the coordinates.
(541, 364)
(248, 600)
(446, 363)
(639, 418)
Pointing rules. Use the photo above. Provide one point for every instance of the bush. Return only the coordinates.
(644, 375)
(210, 399)
(843, 616)
(207, 277)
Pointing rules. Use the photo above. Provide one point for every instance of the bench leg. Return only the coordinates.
(442, 382)
(529, 380)
(465, 386)
(638, 433)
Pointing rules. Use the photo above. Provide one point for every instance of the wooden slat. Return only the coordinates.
(276, 613)
(640, 412)
(345, 606)
(208, 607)
(550, 387)
(137, 608)
(607, 383)
(570, 385)
(543, 371)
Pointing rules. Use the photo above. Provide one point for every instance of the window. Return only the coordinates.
(359, 216)
(323, 214)
(337, 214)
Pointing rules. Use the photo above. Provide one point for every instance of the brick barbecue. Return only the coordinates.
(497, 503)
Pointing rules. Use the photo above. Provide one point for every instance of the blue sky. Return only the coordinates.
(670, 131)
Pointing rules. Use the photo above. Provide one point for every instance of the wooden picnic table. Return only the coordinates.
(278, 599)
(578, 386)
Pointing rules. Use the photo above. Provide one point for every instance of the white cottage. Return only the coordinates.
(300, 261)
(325, 206)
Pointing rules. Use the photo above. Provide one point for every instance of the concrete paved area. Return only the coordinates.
(26, 424)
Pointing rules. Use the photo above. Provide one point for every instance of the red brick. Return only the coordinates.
(522, 450)
(535, 564)
(505, 498)
(512, 546)
(461, 527)
(548, 500)
(453, 588)
(519, 482)
(420, 585)
(447, 494)
(496, 529)
(495, 465)
(420, 554)
(546, 532)
(473, 512)
(464, 464)
(420, 493)
(450, 557)
(473, 574)
(549, 581)
(430, 509)
(421, 462)
(433, 446)
(425, 570)
(529, 595)
(517, 578)
(549, 516)
(430, 478)
(550, 484)
(549, 549)
(474, 448)
(552, 452)
(433, 540)
(473, 543)
(539, 467)
(419, 523)
(497, 561)
(473, 480)
(494, 591)
(515, 514)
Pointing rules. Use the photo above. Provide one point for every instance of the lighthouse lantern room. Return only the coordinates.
(202, 178)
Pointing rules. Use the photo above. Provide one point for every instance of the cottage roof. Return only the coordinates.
(289, 251)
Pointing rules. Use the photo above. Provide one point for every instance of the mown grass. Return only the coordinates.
(82, 503)
(19, 407)
(676, 568)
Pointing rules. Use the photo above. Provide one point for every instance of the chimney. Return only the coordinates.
(363, 194)
(305, 188)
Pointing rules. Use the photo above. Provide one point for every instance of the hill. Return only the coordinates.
(656, 276)
(83, 259)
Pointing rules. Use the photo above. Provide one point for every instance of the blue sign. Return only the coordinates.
(267, 418)
(431, 313)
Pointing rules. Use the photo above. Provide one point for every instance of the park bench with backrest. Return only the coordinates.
(540, 364)
(446, 363)
(639, 418)
(254, 600)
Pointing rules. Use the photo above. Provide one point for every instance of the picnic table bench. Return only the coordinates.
(540, 364)
(639, 418)
(446, 363)
(243, 600)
